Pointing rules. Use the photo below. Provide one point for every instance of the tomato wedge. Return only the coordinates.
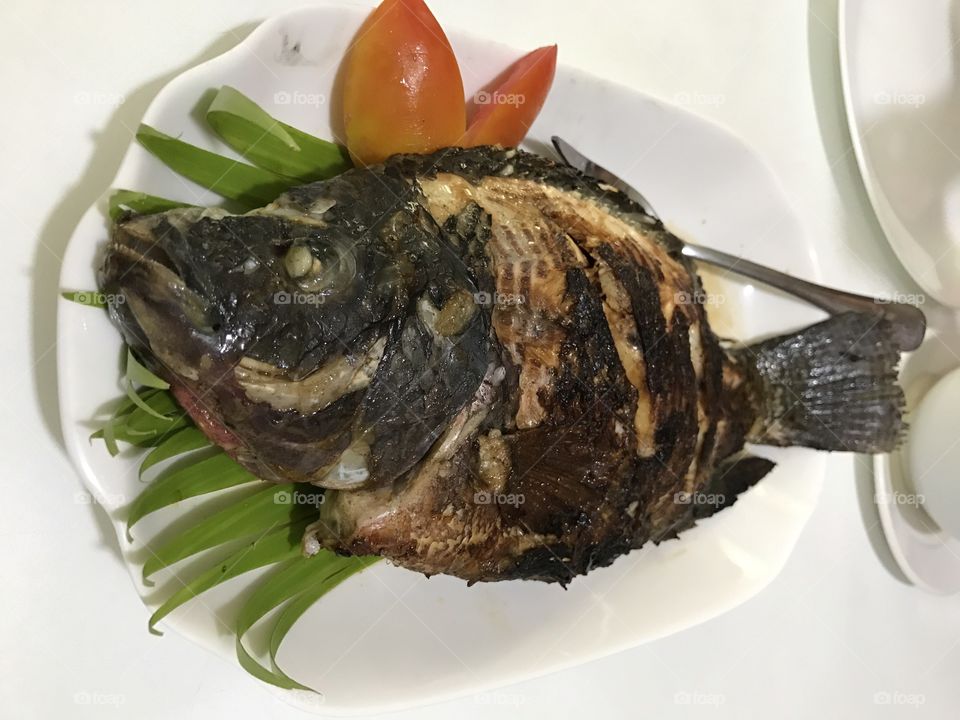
(402, 90)
(504, 114)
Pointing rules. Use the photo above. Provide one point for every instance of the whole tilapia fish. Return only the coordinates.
(498, 367)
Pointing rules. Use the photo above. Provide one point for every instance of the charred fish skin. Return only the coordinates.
(627, 407)
(378, 276)
(590, 491)
(511, 374)
(584, 484)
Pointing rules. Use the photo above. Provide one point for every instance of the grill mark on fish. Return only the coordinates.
(696, 362)
(623, 328)
(585, 223)
(564, 469)
(658, 421)
(592, 225)
(530, 255)
(527, 329)
(670, 379)
(710, 385)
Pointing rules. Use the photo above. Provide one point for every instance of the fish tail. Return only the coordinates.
(831, 386)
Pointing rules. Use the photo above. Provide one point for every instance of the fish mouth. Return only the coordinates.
(136, 253)
(157, 311)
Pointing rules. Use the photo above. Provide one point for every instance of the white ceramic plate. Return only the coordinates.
(900, 66)
(390, 638)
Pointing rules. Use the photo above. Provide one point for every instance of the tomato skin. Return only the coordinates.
(503, 116)
(402, 89)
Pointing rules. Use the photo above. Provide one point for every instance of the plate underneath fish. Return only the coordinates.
(497, 367)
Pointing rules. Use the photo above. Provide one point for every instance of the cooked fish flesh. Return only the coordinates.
(497, 367)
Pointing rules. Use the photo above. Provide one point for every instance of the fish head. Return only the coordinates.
(203, 287)
(308, 338)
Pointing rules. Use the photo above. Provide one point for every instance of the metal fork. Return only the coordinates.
(908, 322)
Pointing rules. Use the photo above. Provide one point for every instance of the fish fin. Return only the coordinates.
(832, 386)
(730, 478)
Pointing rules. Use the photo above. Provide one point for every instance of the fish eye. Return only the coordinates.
(299, 261)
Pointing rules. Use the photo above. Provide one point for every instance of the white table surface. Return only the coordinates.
(835, 636)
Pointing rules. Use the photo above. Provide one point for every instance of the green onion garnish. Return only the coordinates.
(122, 201)
(248, 185)
(271, 144)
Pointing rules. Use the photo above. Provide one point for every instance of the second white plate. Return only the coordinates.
(900, 66)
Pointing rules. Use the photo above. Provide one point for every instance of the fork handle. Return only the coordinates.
(907, 321)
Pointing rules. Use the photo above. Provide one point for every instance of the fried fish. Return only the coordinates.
(497, 367)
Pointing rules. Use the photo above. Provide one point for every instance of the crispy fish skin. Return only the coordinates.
(611, 366)
(511, 373)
